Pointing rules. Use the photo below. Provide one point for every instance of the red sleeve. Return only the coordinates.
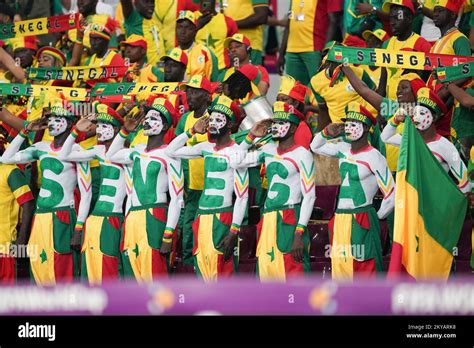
(190, 5)
(231, 26)
(421, 45)
(117, 60)
(264, 73)
(303, 135)
(335, 6)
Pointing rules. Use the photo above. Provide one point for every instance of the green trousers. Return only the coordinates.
(303, 66)
(191, 204)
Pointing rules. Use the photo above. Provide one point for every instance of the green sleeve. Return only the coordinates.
(317, 96)
(385, 44)
(16, 179)
(180, 127)
(462, 46)
(259, 2)
(133, 24)
(368, 81)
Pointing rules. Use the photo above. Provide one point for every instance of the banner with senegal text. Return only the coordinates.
(39, 26)
(451, 73)
(111, 89)
(78, 73)
(17, 89)
(394, 59)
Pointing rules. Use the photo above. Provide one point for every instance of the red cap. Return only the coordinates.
(200, 82)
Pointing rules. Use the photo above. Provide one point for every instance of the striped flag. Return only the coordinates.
(429, 212)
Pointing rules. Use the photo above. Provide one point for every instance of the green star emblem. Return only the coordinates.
(195, 82)
(43, 256)
(272, 254)
(175, 54)
(136, 251)
(211, 42)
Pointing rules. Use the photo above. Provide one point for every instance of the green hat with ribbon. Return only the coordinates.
(225, 106)
(285, 112)
(107, 115)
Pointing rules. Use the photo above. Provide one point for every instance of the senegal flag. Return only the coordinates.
(429, 212)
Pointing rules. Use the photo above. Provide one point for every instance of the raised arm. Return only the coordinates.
(177, 148)
(76, 154)
(386, 185)
(13, 155)
(321, 146)
(84, 182)
(389, 134)
(176, 186)
(117, 153)
(307, 183)
(241, 190)
(361, 87)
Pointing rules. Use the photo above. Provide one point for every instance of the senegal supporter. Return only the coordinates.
(304, 39)
(50, 57)
(201, 60)
(15, 194)
(240, 52)
(24, 50)
(407, 88)
(9, 70)
(101, 54)
(333, 91)
(213, 28)
(374, 39)
(198, 94)
(295, 94)
(250, 16)
(166, 12)
(140, 21)
(175, 64)
(88, 10)
(452, 42)
(244, 84)
(404, 39)
(135, 56)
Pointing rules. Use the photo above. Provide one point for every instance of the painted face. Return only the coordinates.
(104, 131)
(217, 123)
(153, 124)
(423, 118)
(354, 130)
(56, 125)
(280, 129)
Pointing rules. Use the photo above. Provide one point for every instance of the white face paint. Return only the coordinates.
(217, 121)
(280, 129)
(104, 131)
(354, 130)
(56, 125)
(423, 118)
(153, 124)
